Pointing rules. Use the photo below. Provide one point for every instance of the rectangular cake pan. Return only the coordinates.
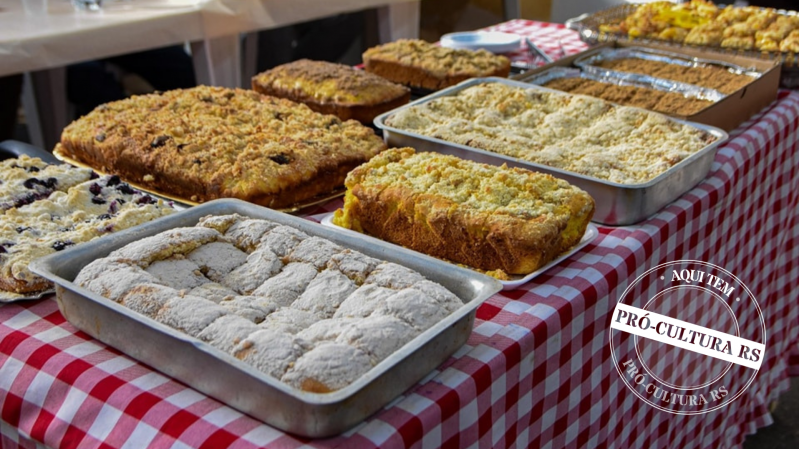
(222, 376)
(616, 204)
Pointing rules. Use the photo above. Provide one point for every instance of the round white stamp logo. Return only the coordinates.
(687, 337)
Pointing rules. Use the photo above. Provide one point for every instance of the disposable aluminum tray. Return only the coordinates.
(239, 385)
(610, 77)
(616, 204)
(589, 63)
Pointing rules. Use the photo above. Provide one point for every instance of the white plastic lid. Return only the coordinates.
(493, 41)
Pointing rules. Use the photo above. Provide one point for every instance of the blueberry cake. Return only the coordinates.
(26, 179)
(58, 206)
(301, 309)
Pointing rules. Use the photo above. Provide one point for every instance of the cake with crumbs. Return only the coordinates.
(331, 88)
(318, 318)
(496, 219)
(576, 133)
(420, 64)
(207, 142)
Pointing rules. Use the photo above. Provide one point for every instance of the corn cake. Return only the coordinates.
(487, 217)
(206, 142)
(331, 88)
(417, 63)
(571, 132)
(307, 322)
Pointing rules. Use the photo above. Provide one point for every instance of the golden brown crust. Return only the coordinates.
(641, 97)
(420, 64)
(331, 88)
(710, 76)
(211, 142)
(489, 218)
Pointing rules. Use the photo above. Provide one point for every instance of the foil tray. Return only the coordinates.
(589, 63)
(616, 204)
(609, 77)
(239, 385)
(315, 201)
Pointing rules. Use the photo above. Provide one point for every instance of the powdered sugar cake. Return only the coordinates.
(322, 317)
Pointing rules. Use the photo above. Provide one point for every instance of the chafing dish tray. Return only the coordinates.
(239, 385)
(616, 204)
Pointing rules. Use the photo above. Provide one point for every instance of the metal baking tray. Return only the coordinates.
(616, 204)
(652, 54)
(588, 27)
(222, 376)
(10, 149)
(609, 77)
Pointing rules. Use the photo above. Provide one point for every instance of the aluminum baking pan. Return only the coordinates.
(653, 54)
(609, 77)
(616, 204)
(590, 63)
(237, 384)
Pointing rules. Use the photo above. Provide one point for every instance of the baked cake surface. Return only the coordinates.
(305, 324)
(421, 64)
(487, 217)
(76, 209)
(332, 88)
(572, 132)
(206, 142)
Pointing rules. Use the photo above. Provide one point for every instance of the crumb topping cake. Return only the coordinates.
(206, 143)
(322, 317)
(486, 217)
(572, 132)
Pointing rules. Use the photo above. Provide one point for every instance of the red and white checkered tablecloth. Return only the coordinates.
(536, 371)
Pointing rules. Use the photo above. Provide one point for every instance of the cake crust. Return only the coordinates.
(206, 143)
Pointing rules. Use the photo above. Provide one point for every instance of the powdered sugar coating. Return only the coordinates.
(328, 368)
(299, 308)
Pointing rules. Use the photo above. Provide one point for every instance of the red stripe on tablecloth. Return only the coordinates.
(178, 423)
(220, 438)
(141, 404)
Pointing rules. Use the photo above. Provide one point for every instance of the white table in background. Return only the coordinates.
(42, 44)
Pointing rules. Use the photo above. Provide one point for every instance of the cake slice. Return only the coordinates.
(417, 63)
(332, 88)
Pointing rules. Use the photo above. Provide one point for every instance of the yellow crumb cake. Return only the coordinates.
(417, 63)
(487, 217)
(206, 142)
(577, 133)
(332, 88)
